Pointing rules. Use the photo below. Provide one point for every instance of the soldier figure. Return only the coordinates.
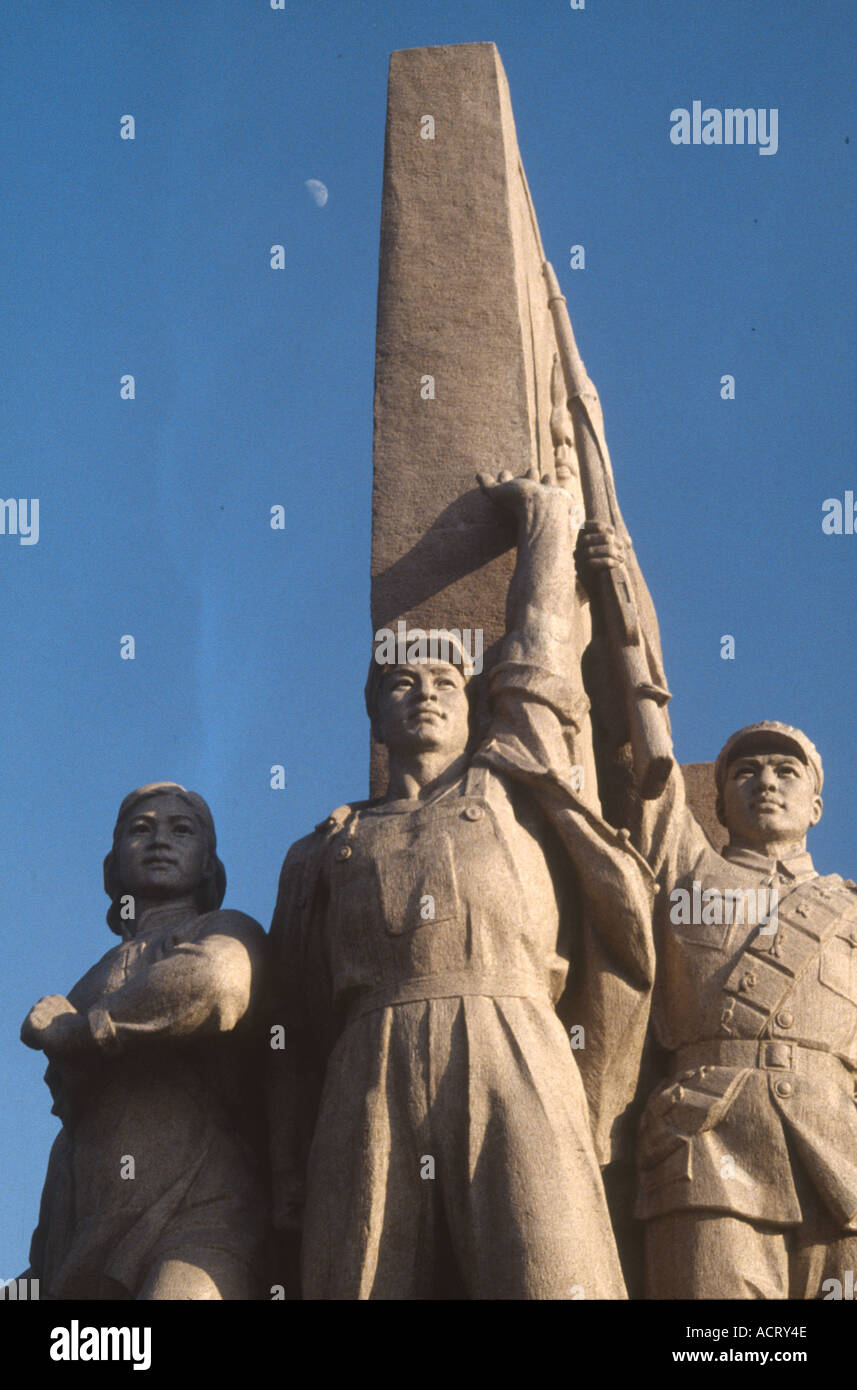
(422, 944)
(155, 1188)
(748, 1148)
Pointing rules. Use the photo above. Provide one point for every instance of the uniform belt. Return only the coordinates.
(769, 1054)
(453, 984)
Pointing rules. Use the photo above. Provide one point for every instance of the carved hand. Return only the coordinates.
(54, 1026)
(518, 495)
(598, 548)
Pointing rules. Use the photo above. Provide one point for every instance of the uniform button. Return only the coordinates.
(784, 1089)
(344, 852)
(473, 812)
(747, 981)
(785, 1019)
(656, 888)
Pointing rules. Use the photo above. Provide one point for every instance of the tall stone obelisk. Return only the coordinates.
(466, 376)
(465, 347)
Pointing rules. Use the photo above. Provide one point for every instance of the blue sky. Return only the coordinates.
(254, 387)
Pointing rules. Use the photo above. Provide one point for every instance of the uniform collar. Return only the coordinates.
(401, 807)
(796, 866)
(157, 919)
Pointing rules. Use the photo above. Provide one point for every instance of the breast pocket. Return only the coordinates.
(696, 934)
(417, 883)
(837, 966)
(701, 915)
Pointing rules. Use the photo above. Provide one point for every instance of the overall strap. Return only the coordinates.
(476, 782)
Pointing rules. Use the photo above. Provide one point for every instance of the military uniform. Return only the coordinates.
(748, 1151)
(422, 947)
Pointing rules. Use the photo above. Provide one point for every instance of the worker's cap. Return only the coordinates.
(768, 736)
(416, 646)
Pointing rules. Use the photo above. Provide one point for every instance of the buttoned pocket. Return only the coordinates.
(694, 908)
(714, 937)
(696, 1102)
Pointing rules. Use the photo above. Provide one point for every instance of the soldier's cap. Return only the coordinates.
(767, 736)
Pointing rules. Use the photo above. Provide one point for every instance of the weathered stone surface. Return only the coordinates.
(423, 938)
(461, 299)
(746, 1152)
(702, 798)
(747, 1148)
(423, 944)
(153, 1190)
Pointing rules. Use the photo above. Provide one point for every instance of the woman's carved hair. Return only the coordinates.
(211, 889)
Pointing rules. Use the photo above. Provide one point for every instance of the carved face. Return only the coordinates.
(162, 850)
(423, 707)
(769, 797)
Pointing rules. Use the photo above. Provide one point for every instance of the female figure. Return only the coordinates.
(153, 1188)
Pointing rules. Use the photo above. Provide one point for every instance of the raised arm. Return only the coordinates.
(665, 831)
(537, 694)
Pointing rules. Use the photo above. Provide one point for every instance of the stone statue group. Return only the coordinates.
(475, 996)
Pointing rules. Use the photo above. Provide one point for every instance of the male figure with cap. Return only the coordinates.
(154, 1190)
(748, 1147)
(428, 1114)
